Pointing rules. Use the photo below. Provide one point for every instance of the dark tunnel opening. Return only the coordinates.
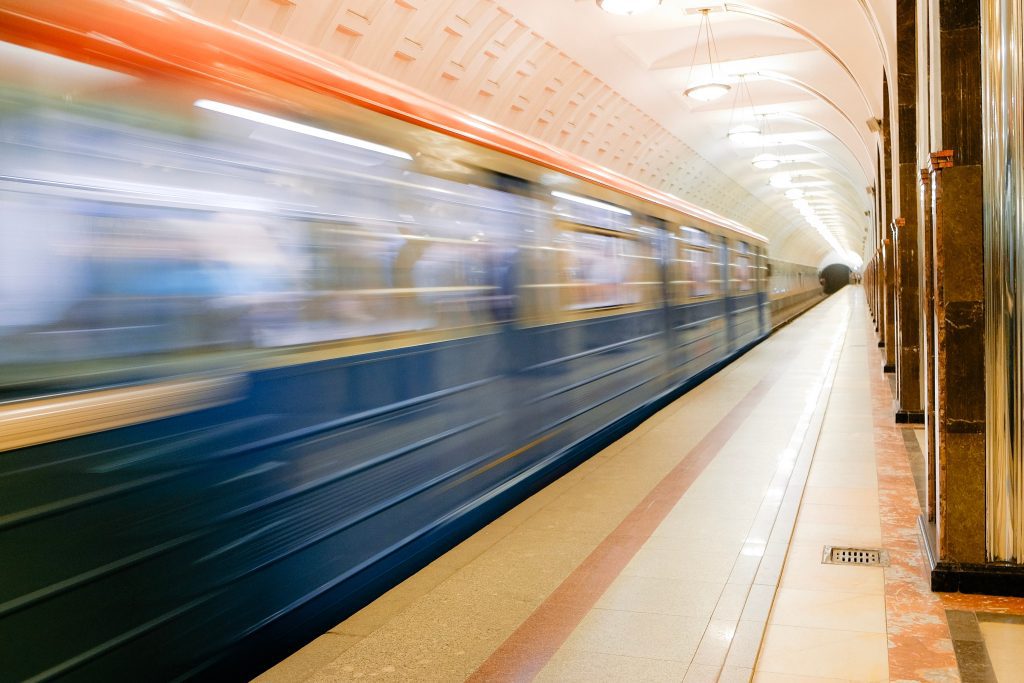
(835, 277)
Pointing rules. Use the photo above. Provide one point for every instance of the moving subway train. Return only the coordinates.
(275, 331)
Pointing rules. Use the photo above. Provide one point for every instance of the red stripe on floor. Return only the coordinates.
(525, 652)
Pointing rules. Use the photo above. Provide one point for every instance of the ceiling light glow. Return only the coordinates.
(744, 134)
(706, 92)
(766, 161)
(295, 127)
(627, 7)
(586, 201)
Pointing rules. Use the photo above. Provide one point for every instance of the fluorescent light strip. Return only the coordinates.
(285, 124)
(591, 202)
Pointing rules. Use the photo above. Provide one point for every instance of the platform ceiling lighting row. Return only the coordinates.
(743, 133)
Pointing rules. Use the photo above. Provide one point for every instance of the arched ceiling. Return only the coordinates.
(610, 88)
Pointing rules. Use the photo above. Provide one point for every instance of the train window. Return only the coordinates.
(573, 270)
(692, 276)
(742, 267)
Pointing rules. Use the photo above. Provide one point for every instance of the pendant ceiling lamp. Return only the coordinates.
(765, 160)
(627, 7)
(714, 87)
(744, 134)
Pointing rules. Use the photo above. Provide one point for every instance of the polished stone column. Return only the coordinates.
(1003, 159)
(908, 352)
(958, 353)
(884, 218)
(959, 360)
(904, 229)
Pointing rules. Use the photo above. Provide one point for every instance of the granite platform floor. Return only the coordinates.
(691, 549)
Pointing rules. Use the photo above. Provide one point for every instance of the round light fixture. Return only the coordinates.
(794, 193)
(706, 92)
(744, 134)
(779, 180)
(627, 7)
(766, 161)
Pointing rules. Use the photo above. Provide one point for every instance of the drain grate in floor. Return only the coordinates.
(866, 557)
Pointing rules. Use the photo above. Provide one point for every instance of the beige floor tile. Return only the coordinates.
(571, 666)
(1005, 645)
(304, 663)
(745, 644)
(920, 436)
(855, 535)
(852, 515)
(662, 596)
(735, 674)
(588, 519)
(759, 603)
(444, 635)
(804, 570)
(715, 643)
(841, 495)
(393, 602)
(824, 476)
(829, 609)
(769, 572)
(766, 677)
(637, 634)
(686, 524)
(730, 603)
(824, 653)
(702, 673)
(664, 563)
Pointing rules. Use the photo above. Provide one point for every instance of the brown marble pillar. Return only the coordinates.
(908, 351)
(908, 306)
(889, 258)
(958, 235)
(960, 357)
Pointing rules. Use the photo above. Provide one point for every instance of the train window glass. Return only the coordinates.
(694, 257)
(581, 210)
(571, 271)
(179, 239)
(604, 269)
(742, 267)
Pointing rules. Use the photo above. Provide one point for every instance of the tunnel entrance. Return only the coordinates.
(835, 276)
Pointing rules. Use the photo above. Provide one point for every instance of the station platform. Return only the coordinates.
(692, 549)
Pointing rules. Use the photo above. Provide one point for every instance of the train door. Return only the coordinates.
(729, 303)
(665, 249)
(761, 281)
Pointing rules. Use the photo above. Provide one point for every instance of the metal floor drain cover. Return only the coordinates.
(865, 557)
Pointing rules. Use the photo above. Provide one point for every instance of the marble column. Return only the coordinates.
(908, 352)
(885, 215)
(904, 229)
(960, 358)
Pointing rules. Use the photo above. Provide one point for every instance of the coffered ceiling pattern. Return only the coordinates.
(610, 88)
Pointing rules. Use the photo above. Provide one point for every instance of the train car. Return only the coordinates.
(276, 331)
